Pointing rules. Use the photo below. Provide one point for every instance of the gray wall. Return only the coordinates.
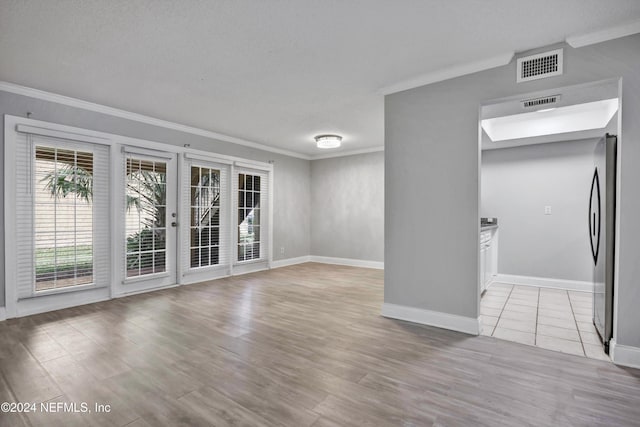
(517, 183)
(431, 182)
(347, 199)
(291, 210)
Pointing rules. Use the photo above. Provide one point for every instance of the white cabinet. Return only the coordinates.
(488, 257)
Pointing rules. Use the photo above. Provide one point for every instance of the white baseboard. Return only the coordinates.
(624, 355)
(468, 325)
(29, 307)
(347, 261)
(249, 267)
(544, 282)
(44, 304)
(328, 260)
(290, 261)
(142, 291)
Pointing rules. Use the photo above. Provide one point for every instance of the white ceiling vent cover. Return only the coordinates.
(539, 66)
(540, 102)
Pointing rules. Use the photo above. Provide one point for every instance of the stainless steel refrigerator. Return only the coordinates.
(602, 212)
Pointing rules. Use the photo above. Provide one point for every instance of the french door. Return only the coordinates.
(251, 235)
(205, 226)
(149, 217)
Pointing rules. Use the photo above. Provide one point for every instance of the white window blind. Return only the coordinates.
(145, 215)
(205, 216)
(251, 190)
(62, 214)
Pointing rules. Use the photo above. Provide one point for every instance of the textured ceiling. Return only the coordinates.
(275, 72)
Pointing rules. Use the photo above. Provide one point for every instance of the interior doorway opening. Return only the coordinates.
(542, 281)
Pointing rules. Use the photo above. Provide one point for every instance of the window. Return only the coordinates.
(63, 213)
(205, 215)
(249, 217)
(146, 213)
(62, 228)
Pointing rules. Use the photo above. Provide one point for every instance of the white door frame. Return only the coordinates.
(122, 284)
(187, 275)
(243, 267)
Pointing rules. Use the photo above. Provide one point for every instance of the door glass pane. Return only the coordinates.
(146, 216)
(248, 217)
(63, 222)
(205, 216)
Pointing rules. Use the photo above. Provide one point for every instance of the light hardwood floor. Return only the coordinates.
(296, 346)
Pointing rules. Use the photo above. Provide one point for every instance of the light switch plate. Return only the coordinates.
(547, 210)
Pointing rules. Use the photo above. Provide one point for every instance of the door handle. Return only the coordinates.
(174, 224)
(594, 216)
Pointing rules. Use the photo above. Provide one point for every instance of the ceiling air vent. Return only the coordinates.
(539, 66)
(538, 102)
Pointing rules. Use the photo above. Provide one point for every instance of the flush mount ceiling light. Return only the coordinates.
(328, 141)
(587, 116)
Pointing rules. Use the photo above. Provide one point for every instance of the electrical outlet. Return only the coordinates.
(282, 250)
(547, 210)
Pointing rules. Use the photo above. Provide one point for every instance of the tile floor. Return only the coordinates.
(549, 318)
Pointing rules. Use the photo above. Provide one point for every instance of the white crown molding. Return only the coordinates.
(86, 105)
(586, 39)
(575, 41)
(544, 282)
(468, 325)
(90, 106)
(347, 153)
(625, 355)
(448, 73)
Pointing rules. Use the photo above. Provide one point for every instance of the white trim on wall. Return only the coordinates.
(140, 118)
(115, 139)
(347, 153)
(347, 261)
(3, 314)
(544, 282)
(468, 325)
(30, 306)
(575, 41)
(116, 112)
(10, 298)
(144, 291)
(363, 263)
(449, 73)
(250, 267)
(290, 261)
(617, 32)
(625, 355)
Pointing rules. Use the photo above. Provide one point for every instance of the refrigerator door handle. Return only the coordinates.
(594, 217)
